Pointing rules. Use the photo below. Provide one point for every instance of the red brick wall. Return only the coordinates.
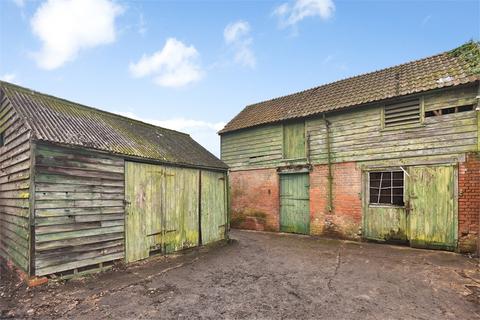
(345, 218)
(255, 200)
(468, 203)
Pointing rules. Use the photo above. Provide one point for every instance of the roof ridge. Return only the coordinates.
(453, 67)
(353, 77)
(80, 105)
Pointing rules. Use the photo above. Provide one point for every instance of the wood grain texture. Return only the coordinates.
(15, 166)
(79, 208)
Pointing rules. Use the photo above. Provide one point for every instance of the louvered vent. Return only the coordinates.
(407, 112)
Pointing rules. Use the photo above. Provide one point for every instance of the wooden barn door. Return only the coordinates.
(143, 221)
(213, 206)
(432, 207)
(161, 211)
(295, 203)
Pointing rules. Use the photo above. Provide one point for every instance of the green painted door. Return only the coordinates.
(213, 206)
(432, 207)
(295, 203)
(162, 209)
(294, 140)
(143, 222)
(180, 210)
(385, 223)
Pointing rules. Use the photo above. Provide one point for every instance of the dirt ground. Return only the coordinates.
(265, 276)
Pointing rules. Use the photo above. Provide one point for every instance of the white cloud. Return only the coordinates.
(9, 77)
(142, 25)
(234, 31)
(290, 14)
(65, 27)
(237, 36)
(175, 65)
(19, 3)
(203, 132)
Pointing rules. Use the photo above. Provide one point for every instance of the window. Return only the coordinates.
(386, 187)
(2, 139)
(398, 114)
(294, 140)
(441, 112)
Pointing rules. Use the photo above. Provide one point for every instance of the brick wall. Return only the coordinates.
(345, 218)
(255, 199)
(468, 203)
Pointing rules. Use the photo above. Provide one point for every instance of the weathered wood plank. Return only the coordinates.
(78, 180)
(79, 173)
(77, 218)
(78, 264)
(57, 212)
(79, 208)
(77, 234)
(52, 204)
(47, 195)
(64, 187)
(42, 262)
(70, 243)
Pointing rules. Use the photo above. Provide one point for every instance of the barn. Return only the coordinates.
(390, 155)
(81, 188)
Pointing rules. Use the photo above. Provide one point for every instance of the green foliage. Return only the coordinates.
(469, 52)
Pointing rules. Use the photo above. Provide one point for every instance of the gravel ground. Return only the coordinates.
(260, 275)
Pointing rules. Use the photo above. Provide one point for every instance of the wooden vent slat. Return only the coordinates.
(403, 109)
(407, 112)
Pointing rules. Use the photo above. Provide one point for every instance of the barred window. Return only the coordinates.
(386, 187)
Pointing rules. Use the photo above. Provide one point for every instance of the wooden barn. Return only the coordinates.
(391, 155)
(81, 188)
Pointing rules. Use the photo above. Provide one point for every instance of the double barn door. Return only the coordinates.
(171, 208)
(429, 217)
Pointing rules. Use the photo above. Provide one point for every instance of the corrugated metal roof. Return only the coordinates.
(456, 67)
(60, 121)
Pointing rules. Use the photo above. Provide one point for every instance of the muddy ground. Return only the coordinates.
(265, 276)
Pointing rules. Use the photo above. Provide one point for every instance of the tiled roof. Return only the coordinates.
(455, 67)
(60, 121)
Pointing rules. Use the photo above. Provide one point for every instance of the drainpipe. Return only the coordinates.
(308, 147)
(329, 161)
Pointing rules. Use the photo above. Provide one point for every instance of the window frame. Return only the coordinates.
(385, 205)
(421, 122)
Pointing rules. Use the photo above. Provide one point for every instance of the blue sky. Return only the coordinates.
(193, 65)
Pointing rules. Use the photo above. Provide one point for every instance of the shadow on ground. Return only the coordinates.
(265, 276)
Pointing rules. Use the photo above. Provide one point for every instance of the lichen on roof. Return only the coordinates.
(58, 120)
(452, 68)
(469, 52)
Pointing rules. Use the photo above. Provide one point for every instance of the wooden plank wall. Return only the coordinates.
(256, 147)
(357, 136)
(79, 208)
(15, 164)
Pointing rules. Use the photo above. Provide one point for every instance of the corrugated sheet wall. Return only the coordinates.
(15, 166)
(79, 208)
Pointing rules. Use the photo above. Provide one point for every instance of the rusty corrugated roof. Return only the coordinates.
(60, 121)
(455, 67)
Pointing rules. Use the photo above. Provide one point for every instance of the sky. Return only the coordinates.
(193, 65)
